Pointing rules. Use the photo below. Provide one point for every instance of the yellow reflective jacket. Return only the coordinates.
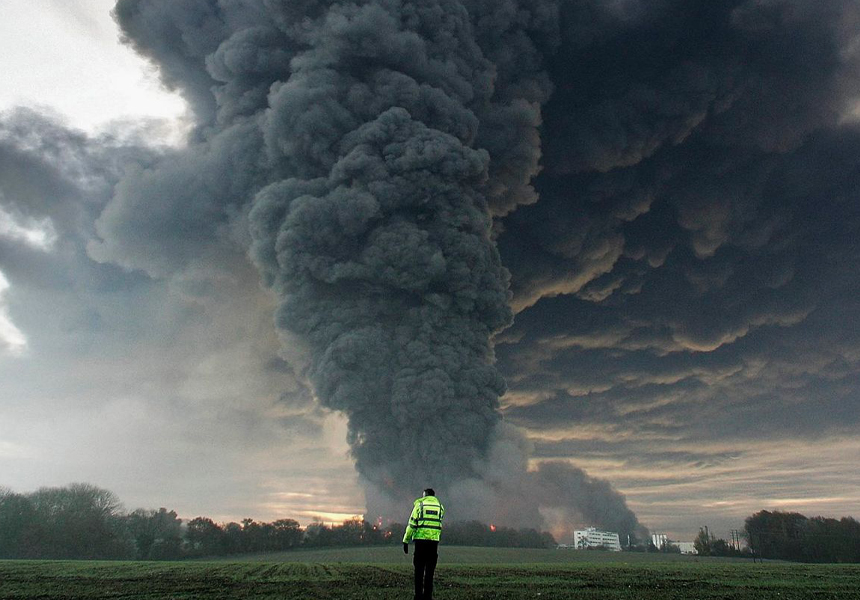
(425, 522)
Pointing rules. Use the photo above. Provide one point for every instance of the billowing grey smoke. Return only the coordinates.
(380, 245)
(366, 147)
(554, 493)
(388, 275)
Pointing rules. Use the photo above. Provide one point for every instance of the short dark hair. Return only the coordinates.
(429, 492)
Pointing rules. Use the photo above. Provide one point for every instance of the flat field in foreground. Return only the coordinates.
(476, 573)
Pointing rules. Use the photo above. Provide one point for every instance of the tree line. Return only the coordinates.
(708, 545)
(789, 536)
(793, 536)
(83, 521)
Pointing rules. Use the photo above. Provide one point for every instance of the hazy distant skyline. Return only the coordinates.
(684, 288)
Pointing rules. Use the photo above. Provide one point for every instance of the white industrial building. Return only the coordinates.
(661, 541)
(591, 537)
(687, 547)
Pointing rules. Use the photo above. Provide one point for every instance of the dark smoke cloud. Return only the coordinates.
(688, 253)
(760, 74)
(665, 193)
(396, 304)
(366, 148)
(721, 219)
(380, 248)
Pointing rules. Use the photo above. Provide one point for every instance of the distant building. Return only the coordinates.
(687, 547)
(661, 541)
(591, 537)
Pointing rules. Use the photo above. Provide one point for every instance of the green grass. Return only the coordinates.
(464, 555)
(463, 573)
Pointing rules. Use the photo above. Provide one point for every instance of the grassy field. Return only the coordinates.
(463, 573)
(466, 555)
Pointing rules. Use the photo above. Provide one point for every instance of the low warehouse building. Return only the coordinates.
(591, 537)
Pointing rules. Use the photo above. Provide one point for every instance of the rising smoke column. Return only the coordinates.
(380, 246)
(405, 138)
(366, 147)
(395, 304)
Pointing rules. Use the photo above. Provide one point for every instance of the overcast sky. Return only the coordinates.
(155, 413)
(685, 287)
(65, 56)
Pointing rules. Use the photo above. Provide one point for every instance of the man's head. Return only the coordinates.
(429, 492)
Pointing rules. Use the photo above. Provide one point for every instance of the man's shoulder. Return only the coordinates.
(427, 500)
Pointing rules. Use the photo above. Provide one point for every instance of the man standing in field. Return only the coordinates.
(425, 528)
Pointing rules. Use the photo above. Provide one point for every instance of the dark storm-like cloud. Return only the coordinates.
(765, 312)
(648, 75)
(790, 68)
(685, 276)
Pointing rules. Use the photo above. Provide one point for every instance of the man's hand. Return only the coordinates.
(405, 548)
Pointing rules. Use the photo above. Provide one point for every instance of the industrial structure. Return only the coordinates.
(591, 537)
(662, 542)
(687, 547)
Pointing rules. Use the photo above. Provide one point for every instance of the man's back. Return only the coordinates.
(425, 522)
(424, 529)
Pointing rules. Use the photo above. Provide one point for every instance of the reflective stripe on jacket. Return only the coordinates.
(425, 522)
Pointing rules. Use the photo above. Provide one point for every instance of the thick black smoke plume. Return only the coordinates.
(366, 147)
(380, 244)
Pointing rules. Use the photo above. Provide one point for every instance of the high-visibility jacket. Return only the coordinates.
(425, 522)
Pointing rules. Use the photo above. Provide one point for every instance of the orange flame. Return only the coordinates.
(492, 527)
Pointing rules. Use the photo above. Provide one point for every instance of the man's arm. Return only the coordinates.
(411, 526)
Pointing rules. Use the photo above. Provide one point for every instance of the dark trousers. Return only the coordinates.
(424, 559)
